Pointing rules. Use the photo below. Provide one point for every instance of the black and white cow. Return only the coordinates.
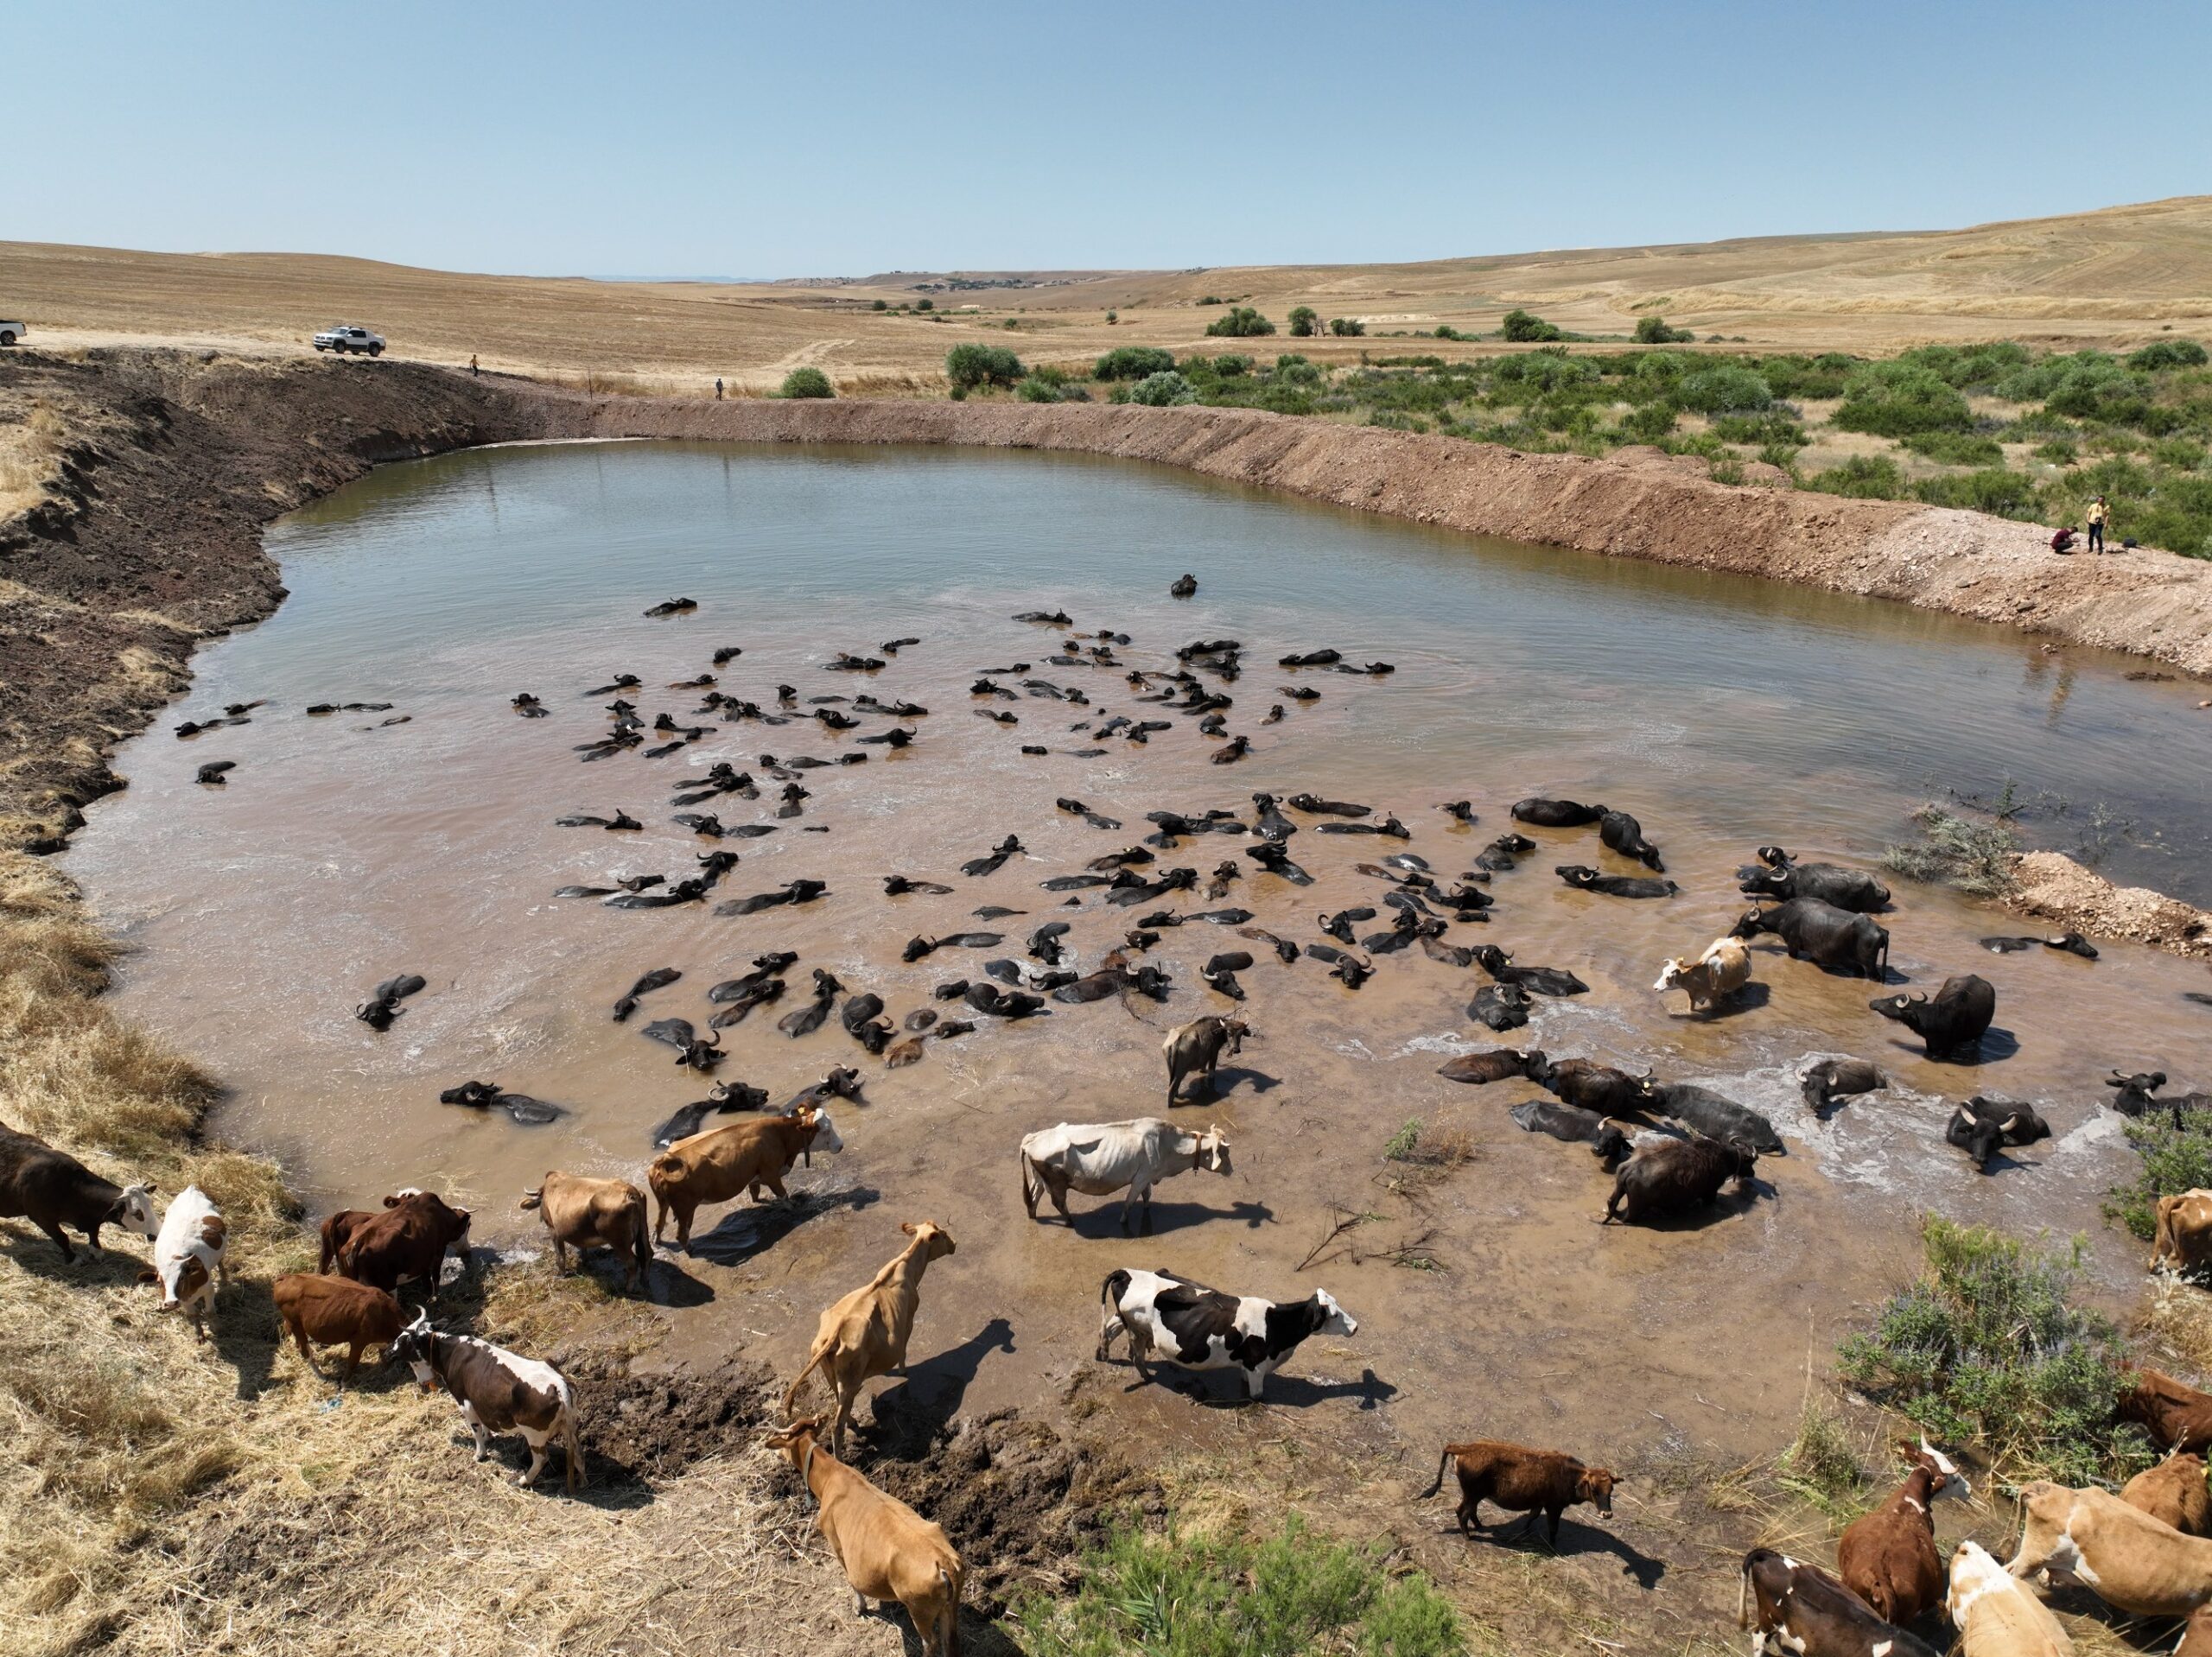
(1803, 1610)
(1203, 1328)
(497, 1392)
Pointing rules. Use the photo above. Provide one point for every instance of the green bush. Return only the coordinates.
(806, 383)
(1723, 388)
(1766, 429)
(1955, 448)
(2175, 1158)
(1036, 389)
(1183, 1594)
(1161, 390)
(1653, 331)
(1995, 489)
(1807, 376)
(1305, 321)
(970, 365)
(1349, 327)
(1241, 322)
(1649, 424)
(1868, 477)
(1896, 399)
(1292, 369)
(1524, 328)
(2168, 353)
(1229, 364)
(1987, 1349)
(1133, 363)
(2060, 451)
(880, 305)
(1978, 858)
(925, 305)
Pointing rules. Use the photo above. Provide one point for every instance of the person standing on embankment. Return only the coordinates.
(2096, 522)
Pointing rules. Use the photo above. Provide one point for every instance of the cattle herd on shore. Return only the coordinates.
(1671, 1147)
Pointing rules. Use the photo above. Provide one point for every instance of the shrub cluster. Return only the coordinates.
(2176, 1158)
(1241, 322)
(1133, 363)
(1525, 327)
(806, 383)
(969, 367)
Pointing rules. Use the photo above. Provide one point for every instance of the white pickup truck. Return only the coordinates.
(11, 332)
(345, 337)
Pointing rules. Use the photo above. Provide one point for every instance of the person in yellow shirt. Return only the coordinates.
(2096, 521)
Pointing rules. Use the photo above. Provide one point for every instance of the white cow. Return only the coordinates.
(189, 1257)
(1100, 1158)
(1995, 1613)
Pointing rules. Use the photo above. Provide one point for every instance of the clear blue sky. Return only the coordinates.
(844, 138)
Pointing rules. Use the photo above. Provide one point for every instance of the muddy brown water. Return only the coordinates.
(1724, 712)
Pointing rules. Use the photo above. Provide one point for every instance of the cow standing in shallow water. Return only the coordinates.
(1195, 1048)
(1107, 1157)
(1203, 1328)
(497, 1392)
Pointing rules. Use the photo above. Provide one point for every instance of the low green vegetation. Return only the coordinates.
(1988, 1351)
(969, 367)
(806, 383)
(1178, 1593)
(1996, 428)
(2176, 1158)
(1978, 856)
(1160, 390)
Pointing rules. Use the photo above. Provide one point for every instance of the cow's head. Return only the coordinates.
(1764, 883)
(820, 1132)
(1753, 924)
(133, 1210)
(1773, 856)
(798, 1442)
(1335, 1320)
(1212, 1150)
(1672, 972)
(1611, 1145)
(1233, 1031)
(416, 1346)
(1943, 1475)
(1575, 874)
(936, 1241)
(1896, 1007)
(181, 1279)
(738, 1095)
(1595, 1486)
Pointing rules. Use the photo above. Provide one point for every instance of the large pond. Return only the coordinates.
(345, 848)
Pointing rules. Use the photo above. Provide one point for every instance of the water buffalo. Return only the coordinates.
(1834, 885)
(1592, 1086)
(1622, 832)
(1556, 814)
(1496, 1065)
(1575, 1126)
(1672, 1177)
(1981, 1124)
(1826, 935)
(1703, 1111)
(1953, 1022)
(1195, 1049)
(1584, 878)
(1830, 1079)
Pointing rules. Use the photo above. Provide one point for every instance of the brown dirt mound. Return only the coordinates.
(651, 1428)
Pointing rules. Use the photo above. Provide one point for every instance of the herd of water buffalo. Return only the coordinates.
(1671, 1147)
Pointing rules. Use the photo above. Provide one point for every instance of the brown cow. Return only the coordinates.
(2183, 1243)
(2196, 1635)
(52, 1189)
(1523, 1481)
(1888, 1557)
(726, 1162)
(1195, 1049)
(584, 1213)
(888, 1550)
(864, 1335)
(2174, 1493)
(409, 1238)
(339, 1228)
(2177, 1417)
(335, 1311)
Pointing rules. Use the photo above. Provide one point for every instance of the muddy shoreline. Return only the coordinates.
(178, 460)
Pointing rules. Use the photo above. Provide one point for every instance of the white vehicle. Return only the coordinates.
(343, 338)
(11, 332)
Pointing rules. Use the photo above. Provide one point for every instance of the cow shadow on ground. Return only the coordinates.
(751, 1230)
(1226, 1079)
(912, 1416)
(1224, 1389)
(1095, 1224)
(23, 1244)
(1750, 999)
(980, 1637)
(610, 1484)
(1527, 1534)
(1997, 1045)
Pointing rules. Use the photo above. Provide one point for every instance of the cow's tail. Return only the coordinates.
(948, 1620)
(1450, 1451)
(1744, 1596)
(791, 1394)
(1031, 1189)
(1110, 1306)
(572, 1446)
(641, 1240)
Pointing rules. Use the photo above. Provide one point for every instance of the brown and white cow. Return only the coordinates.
(410, 1240)
(726, 1162)
(190, 1257)
(2173, 1493)
(1995, 1613)
(888, 1550)
(1888, 1557)
(583, 1213)
(335, 1311)
(52, 1189)
(2133, 1563)
(1807, 1613)
(497, 1392)
(865, 1334)
(2184, 1242)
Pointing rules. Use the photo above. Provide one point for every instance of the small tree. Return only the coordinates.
(1346, 326)
(1133, 363)
(970, 365)
(1525, 327)
(1112, 317)
(925, 305)
(1653, 331)
(1160, 390)
(1242, 322)
(1305, 323)
(806, 383)
(880, 305)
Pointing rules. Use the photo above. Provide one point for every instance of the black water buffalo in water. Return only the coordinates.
(1833, 884)
(1500, 855)
(1497, 1064)
(2132, 1095)
(1981, 1124)
(1820, 932)
(1953, 1021)
(1672, 1177)
(1830, 1079)
(1500, 1006)
(1574, 1125)
(1556, 814)
(1541, 981)
(1622, 832)
(1705, 1112)
(1613, 886)
(1592, 1086)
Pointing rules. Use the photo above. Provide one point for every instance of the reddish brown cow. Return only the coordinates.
(1888, 1557)
(2173, 1493)
(1523, 1481)
(409, 1238)
(335, 1311)
(338, 1231)
(2177, 1417)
